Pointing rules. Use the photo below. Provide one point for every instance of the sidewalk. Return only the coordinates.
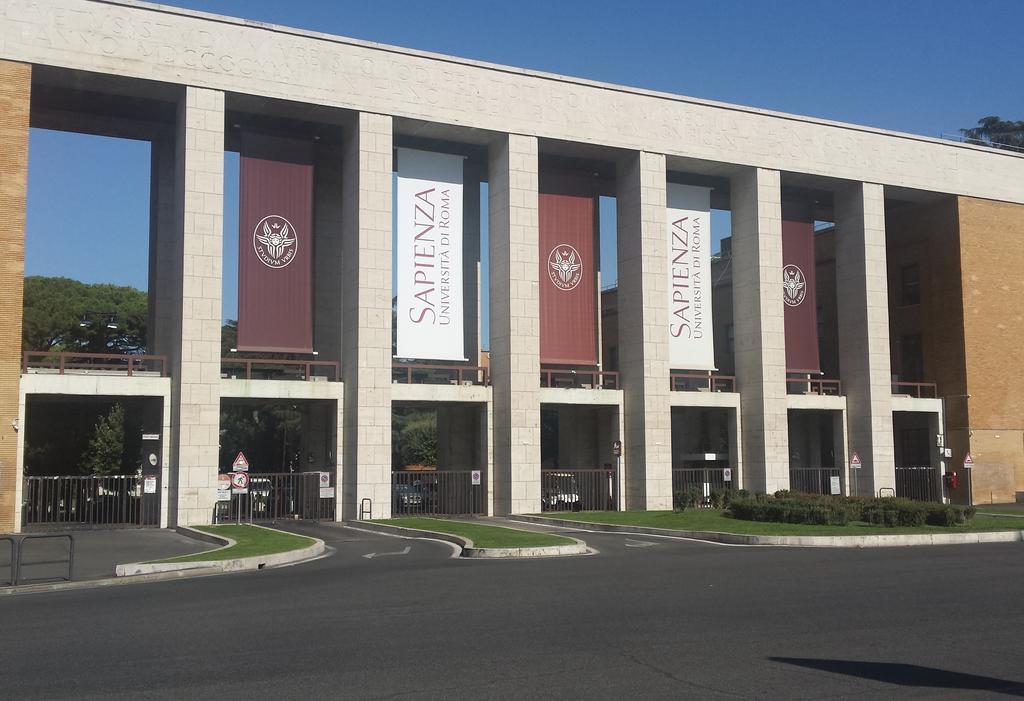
(97, 552)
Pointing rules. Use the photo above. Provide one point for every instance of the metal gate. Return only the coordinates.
(69, 501)
(579, 490)
(917, 482)
(698, 480)
(279, 496)
(437, 492)
(813, 480)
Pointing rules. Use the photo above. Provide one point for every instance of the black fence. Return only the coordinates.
(695, 484)
(280, 496)
(579, 490)
(918, 482)
(437, 492)
(814, 480)
(81, 501)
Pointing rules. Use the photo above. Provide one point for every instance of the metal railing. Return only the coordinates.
(579, 379)
(920, 483)
(271, 369)
(981, 142)
(18, 562)
(579, 490)
(64, 363)
(701, 382)
(279, 496)
(421, 374)
(920, 390)
(436, 492)
(813, 480)
(72, 500)
(805, 384)
(698, 480)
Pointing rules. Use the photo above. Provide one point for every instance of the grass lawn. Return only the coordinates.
(481, 535)
(249, 541)
(715, 520)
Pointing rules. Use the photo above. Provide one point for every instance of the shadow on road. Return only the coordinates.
(909, 675)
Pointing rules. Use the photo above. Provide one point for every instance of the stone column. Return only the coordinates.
(861, 288)
(15, 102)
(643, 330)
(190, 284)
(760, 339)
(366, 313)
(515, 323)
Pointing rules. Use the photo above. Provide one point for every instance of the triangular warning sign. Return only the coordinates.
(240, 464)
(968, 461)
(855, 460)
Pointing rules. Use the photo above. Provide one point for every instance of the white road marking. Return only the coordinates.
(639, 544)
(370, 556)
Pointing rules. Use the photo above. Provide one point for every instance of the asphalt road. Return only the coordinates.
(670, 619)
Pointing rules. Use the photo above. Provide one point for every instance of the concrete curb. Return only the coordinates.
(241, 564)
(857, 541)
(466, 545)
(109, 581)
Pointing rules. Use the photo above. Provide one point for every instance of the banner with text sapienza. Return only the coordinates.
(691, 341)
(429, 251)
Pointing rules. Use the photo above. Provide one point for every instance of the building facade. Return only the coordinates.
(917, 285)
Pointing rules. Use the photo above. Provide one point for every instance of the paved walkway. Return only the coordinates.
(97, 552)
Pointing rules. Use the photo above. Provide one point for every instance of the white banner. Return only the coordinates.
(691, 335)
(429, 253)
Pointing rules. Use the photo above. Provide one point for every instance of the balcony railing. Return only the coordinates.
(579, 379)
(702, 382)
(421, 374)
(64, 363)
(920, 390)
(805, 384)
(271, 369)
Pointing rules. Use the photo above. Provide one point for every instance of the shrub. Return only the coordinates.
(948, 515)
(690, 497)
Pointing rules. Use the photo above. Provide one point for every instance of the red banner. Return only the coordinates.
(275, 246)
(798, 280)
(568, 280)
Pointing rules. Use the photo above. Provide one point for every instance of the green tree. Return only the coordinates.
(56, 307)
(414, 438)
(996, 132)
(105, 454)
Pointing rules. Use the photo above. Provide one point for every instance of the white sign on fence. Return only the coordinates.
(149, 484)
(834, 486)
(727, 474)
(223, 487)
(475, 476)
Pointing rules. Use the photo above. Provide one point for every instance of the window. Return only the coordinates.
(910, 285)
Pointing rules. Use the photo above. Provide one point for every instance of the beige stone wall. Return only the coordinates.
(15, 93)
(177, 46)
(992, 257)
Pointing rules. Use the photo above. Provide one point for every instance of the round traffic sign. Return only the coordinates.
(240, 480)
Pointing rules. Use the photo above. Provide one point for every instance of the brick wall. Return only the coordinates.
(15, 91)
(992, 257)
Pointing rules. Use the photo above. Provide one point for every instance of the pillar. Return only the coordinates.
(862, 293)
(515, 323)
(759, 330)
(366, 313)
(643, 330)
(190, 287)
(15, 104)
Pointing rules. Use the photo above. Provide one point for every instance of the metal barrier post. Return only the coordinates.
(365, 509)
(16, 573)
(14, 561)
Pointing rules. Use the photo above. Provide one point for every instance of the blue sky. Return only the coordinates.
(926, 67)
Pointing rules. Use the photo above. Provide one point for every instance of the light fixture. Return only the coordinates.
(111, 323)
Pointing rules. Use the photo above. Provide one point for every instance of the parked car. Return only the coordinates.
(560, 492)
(407, 499)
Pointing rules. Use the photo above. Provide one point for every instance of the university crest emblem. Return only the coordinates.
(565, 267)
(275, 241)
